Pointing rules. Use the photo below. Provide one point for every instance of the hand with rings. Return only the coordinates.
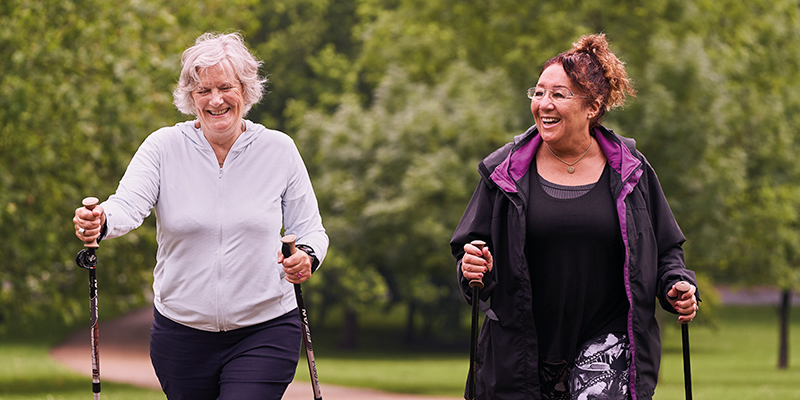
(297, 267)
(89, 223)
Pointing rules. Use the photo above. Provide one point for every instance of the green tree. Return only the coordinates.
(717, 108)
(392, 103)
(81, 85)
(768, 246)
(307, 47)
(393, 179)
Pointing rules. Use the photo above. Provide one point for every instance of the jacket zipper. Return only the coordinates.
(626, 272)
(221, 322)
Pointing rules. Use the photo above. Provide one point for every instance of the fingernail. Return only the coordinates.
(480, 275)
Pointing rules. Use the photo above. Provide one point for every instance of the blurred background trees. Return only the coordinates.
(82, 83)
(392, 104)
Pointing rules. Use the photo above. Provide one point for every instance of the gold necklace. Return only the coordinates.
(570, 167)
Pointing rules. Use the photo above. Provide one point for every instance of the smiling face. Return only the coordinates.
(562, 122)
(219, 103)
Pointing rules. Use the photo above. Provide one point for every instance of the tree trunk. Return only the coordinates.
(349, 338)
(783, 350)
(410, 325)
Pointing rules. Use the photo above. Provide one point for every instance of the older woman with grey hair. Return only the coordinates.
(225, 317)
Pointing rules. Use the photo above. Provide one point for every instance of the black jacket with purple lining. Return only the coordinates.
(507, 359)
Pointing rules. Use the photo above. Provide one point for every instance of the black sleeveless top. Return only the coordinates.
(576, 258)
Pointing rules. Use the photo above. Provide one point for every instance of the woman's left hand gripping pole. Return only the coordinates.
(87, 258)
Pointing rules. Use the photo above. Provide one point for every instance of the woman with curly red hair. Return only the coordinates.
(580, 244)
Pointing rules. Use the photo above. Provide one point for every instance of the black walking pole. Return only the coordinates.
(87, 258)
(476, 285)
(683, 287)
(288, 249)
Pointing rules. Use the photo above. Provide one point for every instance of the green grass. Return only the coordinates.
(737, 360)
(440, 375)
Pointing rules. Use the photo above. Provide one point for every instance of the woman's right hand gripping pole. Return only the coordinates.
(89, 223)
(476, 262)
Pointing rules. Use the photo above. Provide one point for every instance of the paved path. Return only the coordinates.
(753, 295)
(125, 358)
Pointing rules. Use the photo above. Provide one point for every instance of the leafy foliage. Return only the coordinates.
(717, 108)
(392, 103)
(393, 179)
(82, 84)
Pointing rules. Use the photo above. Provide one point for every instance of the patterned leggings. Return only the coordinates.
(600, 372)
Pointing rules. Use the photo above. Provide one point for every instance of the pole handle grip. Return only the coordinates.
(682, 287)
(90, 203)
(480, 245)
(288, 248)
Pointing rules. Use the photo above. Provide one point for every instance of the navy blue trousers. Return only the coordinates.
(255, 362)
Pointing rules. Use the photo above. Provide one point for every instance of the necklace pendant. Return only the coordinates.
(571, 169)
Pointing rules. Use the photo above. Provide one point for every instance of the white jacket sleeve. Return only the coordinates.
(300, 209)
(137, 192)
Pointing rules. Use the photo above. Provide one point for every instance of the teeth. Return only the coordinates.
(550, 120)
(219, 112)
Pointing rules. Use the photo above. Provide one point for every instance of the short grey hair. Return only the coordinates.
(209, 50)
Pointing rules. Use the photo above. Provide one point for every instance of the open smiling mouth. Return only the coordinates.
(220, 112)
(549, 121)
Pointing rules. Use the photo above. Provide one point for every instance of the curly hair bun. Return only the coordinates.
(613, 69)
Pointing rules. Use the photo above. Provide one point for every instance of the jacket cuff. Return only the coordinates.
(314, 260)
(103, 231)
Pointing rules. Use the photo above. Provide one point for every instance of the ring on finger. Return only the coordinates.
(81, 230)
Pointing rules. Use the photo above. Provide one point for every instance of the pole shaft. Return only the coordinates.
(473, 351)
(687, 366)
(312, 364)
(95, 330)
(472, 377)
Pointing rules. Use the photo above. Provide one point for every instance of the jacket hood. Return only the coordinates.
(195, 135)
(511, 162)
